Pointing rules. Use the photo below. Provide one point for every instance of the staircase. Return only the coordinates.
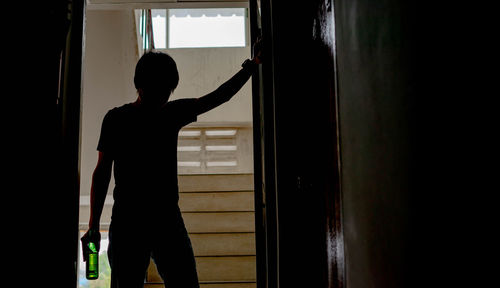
(218, 211)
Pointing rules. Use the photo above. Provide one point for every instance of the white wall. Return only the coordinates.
(202, 70)
(109, 63)
(109, 59)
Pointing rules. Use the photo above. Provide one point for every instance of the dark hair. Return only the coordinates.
(156, 70)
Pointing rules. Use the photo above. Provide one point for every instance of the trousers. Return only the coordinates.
(133, 243)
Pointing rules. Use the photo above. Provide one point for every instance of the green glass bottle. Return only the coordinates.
(92, 267)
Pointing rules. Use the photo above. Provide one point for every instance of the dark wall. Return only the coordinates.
(42, 195)
(368, 48)
(414, 132)
(375, 91)
(299, 84)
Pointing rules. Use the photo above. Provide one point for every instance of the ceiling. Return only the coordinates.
(149, 4)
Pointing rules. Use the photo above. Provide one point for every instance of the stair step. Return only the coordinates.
(217, 269)
(220, 201)
(226, 268)
(215, 183)
(209, 285)
(219, 222)
(223, 244)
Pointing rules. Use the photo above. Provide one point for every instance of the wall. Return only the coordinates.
(375, 98)
(301, 189)
(42, 137)
(109, 59)
(371, 90)
(202, 70)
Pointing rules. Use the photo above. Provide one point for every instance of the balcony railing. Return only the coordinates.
(209, 149)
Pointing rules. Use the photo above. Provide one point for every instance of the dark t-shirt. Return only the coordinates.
(143, 146)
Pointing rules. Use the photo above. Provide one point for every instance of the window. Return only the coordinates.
(159, 21)
(198, 28)
(206, 28)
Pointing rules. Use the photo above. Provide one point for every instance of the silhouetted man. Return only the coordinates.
(140, 138)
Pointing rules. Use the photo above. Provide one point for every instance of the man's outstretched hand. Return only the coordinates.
(257, 51)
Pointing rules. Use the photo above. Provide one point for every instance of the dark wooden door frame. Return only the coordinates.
(264, 151)
(266, 165)
(266, 194)
(68, 134)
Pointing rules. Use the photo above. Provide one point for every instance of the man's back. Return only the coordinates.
(143, 145)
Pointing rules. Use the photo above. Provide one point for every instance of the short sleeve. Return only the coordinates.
(105, 138)
(185, 111)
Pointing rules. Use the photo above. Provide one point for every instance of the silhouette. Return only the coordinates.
(140, 139)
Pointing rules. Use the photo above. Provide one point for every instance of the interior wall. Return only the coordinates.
(108, 71)
(202, 70)
(42, 139)
(375, 97)
(300, 165)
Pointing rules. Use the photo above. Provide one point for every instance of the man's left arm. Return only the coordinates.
(227, 90)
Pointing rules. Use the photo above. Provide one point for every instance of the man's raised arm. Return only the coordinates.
(227, 90)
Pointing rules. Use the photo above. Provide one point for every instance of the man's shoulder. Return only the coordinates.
(120, 110)
(183, 111)
(182, 102)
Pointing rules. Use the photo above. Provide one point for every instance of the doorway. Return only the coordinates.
(279, 181)
(215, 155)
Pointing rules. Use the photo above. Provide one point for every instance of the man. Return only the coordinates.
(140, 138)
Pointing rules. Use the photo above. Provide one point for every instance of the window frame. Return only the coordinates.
(167, 26)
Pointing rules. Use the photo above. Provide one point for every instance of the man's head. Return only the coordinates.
(156, 77)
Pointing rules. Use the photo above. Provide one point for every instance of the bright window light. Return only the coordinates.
(222, 164)
(190, 133)
(159, 21)
(195, 28)
(189, 163)
(220, 132)
(189, 148)
(221, 147)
